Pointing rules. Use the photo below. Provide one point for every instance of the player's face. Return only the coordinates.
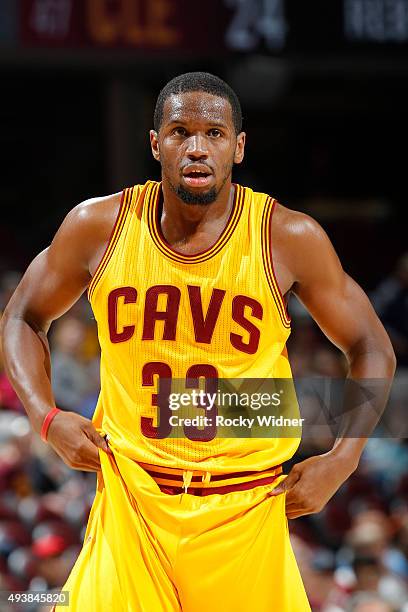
(197, 145)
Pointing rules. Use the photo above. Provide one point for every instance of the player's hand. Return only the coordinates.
(76, 441)
(311, 483)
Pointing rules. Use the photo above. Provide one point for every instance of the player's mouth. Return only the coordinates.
(197, 175)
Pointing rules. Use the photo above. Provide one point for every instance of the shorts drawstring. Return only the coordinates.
(206, 478)
(187, 476)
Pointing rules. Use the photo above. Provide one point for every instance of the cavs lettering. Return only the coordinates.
(203, 324)
(163, 314)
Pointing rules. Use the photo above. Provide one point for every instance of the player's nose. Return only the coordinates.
(197, 147)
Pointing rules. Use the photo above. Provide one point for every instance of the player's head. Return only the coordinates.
(197, 135)
(194, 82)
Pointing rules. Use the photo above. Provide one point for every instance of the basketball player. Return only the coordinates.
(188, 278)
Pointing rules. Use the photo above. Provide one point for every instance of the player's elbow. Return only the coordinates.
(378, 349)
(14, 317)
(390, 357)
(385, 348)
(4, 332)
(11, 313)
(4, 322)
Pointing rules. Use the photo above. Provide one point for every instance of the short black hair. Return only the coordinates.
(198, 81)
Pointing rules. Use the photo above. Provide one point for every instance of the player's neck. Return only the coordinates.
(180, 221)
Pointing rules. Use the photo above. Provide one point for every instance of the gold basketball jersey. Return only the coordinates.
(166, 315)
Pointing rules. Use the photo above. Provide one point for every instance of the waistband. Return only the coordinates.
(197, 482)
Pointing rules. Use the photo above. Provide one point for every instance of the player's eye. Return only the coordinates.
(215, 133)
(179, 131)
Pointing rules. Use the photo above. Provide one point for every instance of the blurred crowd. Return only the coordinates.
(353, 555)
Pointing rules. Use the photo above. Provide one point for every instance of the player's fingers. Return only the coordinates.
(87, 467)
(286, 484)
(297, 508)
(98, 439)
(295, 515)
(87, 453)
(294, 496)
(106, 438)
(296, 504)
(77, 460)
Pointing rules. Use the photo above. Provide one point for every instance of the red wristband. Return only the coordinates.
(47, 422)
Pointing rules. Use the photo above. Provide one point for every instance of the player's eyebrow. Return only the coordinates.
(218, 123)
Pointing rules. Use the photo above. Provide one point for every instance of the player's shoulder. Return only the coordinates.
(290, 223)
(88, 225)
(97, 211)
(93, 219)
(299, 239)
(298, 242)
(103, 210)
(294, 223)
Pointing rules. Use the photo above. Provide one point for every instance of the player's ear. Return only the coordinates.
(240, 148)
(154, 143)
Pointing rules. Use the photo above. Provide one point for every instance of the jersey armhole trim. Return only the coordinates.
(266, 240)
(125, 200)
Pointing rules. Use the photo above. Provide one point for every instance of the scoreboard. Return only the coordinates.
(277, 27)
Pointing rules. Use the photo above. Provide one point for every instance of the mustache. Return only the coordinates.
(196, 164)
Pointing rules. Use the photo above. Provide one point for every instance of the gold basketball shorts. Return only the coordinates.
(154, 547)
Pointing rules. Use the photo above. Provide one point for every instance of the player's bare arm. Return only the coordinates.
(307, 265)
(51, 285)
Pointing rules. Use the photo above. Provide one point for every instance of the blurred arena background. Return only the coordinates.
(324, 92)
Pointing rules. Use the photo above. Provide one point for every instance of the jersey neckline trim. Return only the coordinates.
(153, 200)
